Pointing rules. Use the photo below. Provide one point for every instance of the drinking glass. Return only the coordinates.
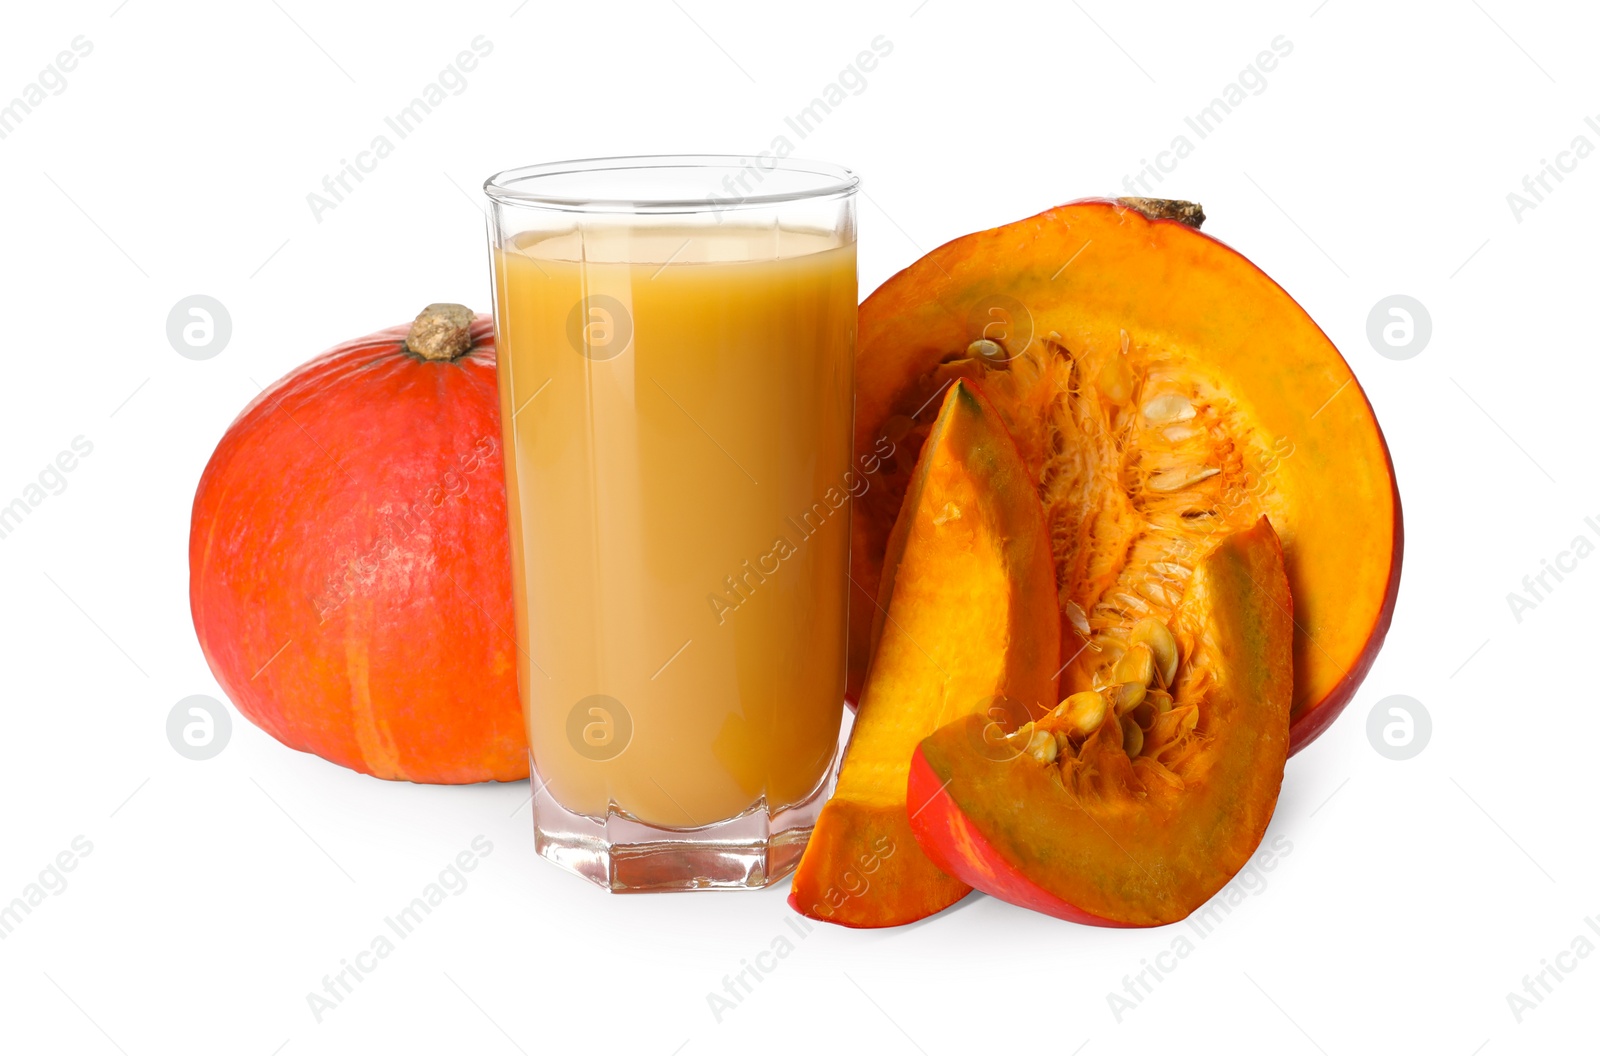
(676, 343)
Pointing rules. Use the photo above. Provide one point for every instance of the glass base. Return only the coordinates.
(621, 854)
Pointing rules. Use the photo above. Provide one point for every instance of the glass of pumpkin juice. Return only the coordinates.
(676, 340)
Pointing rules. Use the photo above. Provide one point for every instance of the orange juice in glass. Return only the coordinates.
(676, 387)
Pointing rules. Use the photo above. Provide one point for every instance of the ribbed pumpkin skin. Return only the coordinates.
(349, 568)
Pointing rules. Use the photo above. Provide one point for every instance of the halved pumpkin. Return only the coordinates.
(1164, 392)
(970, 626)
(1135, 810)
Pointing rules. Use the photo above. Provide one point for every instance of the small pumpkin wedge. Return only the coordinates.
(970, 626)
(1134, 804)
(1164, 392)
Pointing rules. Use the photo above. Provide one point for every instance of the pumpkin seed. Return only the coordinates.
(1081, 713)
(1153, 635)
(1021, 738)
(1108, 650)
(1135, 665)
(1076, 616)
(1157, 591)
(1169, 480)
(1168, 407)
(1156, 703)
(1116, 380)
(1042, 746)
(1177, 434)
(1132, 739)
(1125, 602)
(1126, 696)
(986, 350)
(1148, 768)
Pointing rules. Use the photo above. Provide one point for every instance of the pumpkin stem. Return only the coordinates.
(441, 332)
(1187, 213)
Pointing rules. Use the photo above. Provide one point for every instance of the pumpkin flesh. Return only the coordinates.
(969, 625)
(1164, 393)
(1104, 836)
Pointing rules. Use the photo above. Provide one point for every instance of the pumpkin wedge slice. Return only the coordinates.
(1148, 795)
(1164, 392)
(970, 626)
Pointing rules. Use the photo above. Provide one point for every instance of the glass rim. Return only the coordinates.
(835, 181)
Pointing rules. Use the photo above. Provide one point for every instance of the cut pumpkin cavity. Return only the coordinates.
(1163, 393)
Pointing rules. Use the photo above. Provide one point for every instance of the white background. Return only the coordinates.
(1377, 160)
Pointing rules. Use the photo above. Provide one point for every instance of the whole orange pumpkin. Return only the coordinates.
(349, 572)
